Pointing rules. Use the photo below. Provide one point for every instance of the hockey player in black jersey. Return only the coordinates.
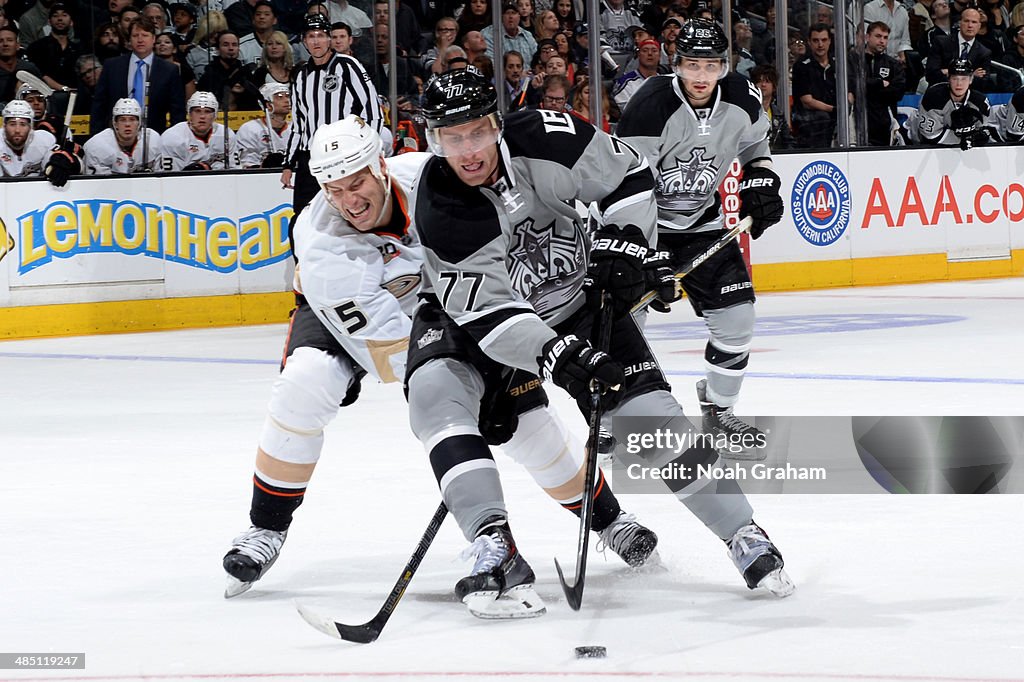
(952, 113)
(690, 125)
(506, 262)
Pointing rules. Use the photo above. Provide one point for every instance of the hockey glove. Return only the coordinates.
(616, 267)
(197, 165)
(963, 121)
(273, 160)
(573, 364)
(760, 199)
(661, 279)
(61, 166)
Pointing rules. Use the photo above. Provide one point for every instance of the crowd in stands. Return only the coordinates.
(185, 62)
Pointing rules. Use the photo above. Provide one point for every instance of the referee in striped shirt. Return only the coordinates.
(327, 88)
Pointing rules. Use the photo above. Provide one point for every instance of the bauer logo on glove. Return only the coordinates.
(760, 199)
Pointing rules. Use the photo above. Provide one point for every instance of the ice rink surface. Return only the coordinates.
(125, 472)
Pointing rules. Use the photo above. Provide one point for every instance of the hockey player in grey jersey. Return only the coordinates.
(952, 113)
(690, 126)
(358, 274)
(505, 263)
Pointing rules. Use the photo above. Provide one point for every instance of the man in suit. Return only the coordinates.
(126, 76)
(962, 44)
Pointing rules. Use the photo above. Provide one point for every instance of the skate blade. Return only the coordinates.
(235, 587)
(521, 601)
(778, 583)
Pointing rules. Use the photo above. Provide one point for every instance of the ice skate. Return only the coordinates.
(501, 584)
(759, 561)
(735, 439)
(251, 555)
(634, 543)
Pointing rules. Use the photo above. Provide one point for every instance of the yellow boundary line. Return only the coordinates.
(111, 317)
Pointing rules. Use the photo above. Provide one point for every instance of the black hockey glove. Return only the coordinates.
(273, 160)
(498, 419)
(759, 198)
(661, 279)
(573, 364)
(197, 165)
(352, 394)
(616, 267)
(61, 166)
(964, 121)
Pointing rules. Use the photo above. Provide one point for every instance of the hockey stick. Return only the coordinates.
(739, 228)
(68, 113)
(370, 630)
(574, 592)
(35, 82)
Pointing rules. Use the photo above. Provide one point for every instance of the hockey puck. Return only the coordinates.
(591, 652)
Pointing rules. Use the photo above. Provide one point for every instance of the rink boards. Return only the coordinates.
(169, 252)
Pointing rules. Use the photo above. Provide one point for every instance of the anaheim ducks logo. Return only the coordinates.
(400, 286)
(6, 241)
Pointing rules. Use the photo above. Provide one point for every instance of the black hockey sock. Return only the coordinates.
(606, 505)
(272, 506)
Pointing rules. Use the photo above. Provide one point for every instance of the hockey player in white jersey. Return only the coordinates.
(25, 152)
(358, 275)
(506, 262)
(262, 142)
(690, 125)
(119, 149)
(198, 142)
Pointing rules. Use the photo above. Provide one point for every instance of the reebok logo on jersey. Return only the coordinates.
(429, 337)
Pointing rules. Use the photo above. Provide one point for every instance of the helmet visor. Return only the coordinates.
(466, 138)
(701, 69)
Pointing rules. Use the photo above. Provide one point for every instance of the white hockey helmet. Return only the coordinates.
(126, 106)
(271, 90)
(201, 99)
(18, 108)
(345, 147)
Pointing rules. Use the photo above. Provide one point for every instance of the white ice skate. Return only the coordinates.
(251, 555)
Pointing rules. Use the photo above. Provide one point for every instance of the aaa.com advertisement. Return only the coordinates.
(898, 202)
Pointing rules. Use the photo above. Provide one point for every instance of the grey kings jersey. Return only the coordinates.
(690, 150)
(509, 260)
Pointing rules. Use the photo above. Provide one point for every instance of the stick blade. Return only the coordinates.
(360, 634)
(574, 593)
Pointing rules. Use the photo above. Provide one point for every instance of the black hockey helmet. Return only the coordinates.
(456, 97)
(702, 39)
(316, 22)
(961, 67)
